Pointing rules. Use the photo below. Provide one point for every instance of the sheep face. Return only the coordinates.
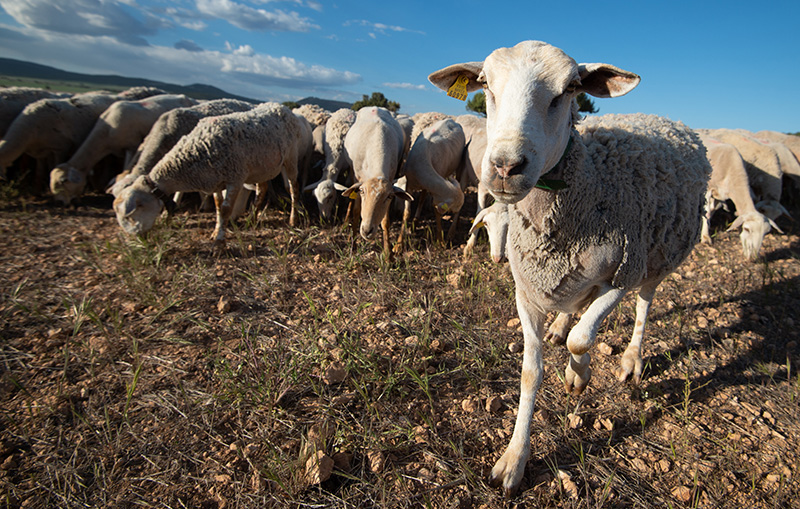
(754, 227)
(453, 203)
(326, 191)
(376, 195)
(136, 210)
(495, 219)
(66, 183)
(530, 107)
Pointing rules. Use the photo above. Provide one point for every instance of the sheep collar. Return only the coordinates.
(554, 184)
(161, 195)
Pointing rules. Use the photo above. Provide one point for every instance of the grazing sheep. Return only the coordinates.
(437, 155)
(422, 121)
(327, 189)
(136, 93)
(628, 213)
(374, 149)
(729, 182)
(316, 115)
(49, 130)
(165, 133)
(495, 219)
(791, 141)
(118, 131)
(14, 99)
(221, 153)
(763, 167)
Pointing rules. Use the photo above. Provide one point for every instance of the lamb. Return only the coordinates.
(49, 130)
(628, 213)
(119, 130)
(763, 166)
(374, 148)
(437, 155)
(14, 99)
(729, 182)
(170, 127)
(327, 189)
(221, 153)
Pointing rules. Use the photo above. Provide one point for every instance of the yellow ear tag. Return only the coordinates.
(444, 207)
(353, 195)
(479, 224)
(459, 88)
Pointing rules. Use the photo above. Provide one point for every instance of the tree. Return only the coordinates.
(377, 99)
(478, 104)
(586, 105)
(291, 105)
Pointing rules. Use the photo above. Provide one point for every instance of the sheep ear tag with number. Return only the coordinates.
(459, 88)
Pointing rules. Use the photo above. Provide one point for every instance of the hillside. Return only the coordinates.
(57, 79)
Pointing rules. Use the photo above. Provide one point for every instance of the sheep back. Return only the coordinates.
(238, 148)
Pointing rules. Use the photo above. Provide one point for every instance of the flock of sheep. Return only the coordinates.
(585, 210)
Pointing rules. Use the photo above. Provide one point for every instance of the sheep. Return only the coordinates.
(165, 133)
(316, 115)
(627, 211)
(136, 93)
(327, 188)
(495, 219)
(119, 130)
(221, 153)
(437, 155)
(49, 130)
(763, 167)
(14, 99)
(373, 147)
(729, 182)
(791, 141)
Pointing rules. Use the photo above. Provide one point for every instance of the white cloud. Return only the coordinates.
(239, 70)
(86, 17)
(405, 86)
(380, 27)
(249, 18)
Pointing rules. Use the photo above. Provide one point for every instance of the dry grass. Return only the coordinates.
(161, 373)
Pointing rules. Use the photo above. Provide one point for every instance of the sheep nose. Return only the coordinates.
(507, 167)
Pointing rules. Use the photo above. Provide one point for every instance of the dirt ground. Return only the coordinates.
(289, 370)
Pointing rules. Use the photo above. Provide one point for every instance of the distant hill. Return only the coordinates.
(327, 104)
(53, 76)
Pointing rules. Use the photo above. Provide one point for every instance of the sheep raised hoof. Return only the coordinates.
(558, 330)
(626, 213)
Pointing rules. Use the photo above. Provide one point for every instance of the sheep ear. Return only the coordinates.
(352, 191)
(311, 187)
(603, 80)
(774, 226)
(478, 223)
(736, 224)
(401, 193)
(339, 187)
(444, 78)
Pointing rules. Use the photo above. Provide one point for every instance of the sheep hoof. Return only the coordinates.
(575, 383)
(508, 472)
(554, 338)
(630, 366)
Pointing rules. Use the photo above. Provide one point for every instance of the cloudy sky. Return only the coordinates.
(707, 63)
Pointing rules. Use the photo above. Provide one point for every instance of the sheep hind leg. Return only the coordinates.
(582, 336)
(224, 208)
(398, 247)
(510, 468)
(631, 362)
(558, 330)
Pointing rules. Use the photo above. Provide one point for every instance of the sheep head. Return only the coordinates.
(755, 227)
(495, 219)
(453, 202)
(376, 195)
(530, 108)
(136, 208)
(66, 183)
(326, 191)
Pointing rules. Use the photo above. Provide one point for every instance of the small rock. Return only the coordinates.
(773, 478)
(224, 304)
(516, 347)
(454, 280)
(421, 435)
(470, 404)
(605, 348)
(568, 484)
(343, 460)
(663, 466)
(640, 465)
(377, 461)
(334, 374)
(319, 468)
(493, 404)
(223, 478)
(682, 493)
(574, 421)
(513, 323)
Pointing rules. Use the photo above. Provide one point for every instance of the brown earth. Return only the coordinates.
(288, 370)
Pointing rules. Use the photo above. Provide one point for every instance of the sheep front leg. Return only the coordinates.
(558, 330)
(509, 469)
(631, 363)
(582, 336)
(387, 247)
(398, 247)
(224, 209)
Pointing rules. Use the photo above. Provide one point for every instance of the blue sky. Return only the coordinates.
(707, 63)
